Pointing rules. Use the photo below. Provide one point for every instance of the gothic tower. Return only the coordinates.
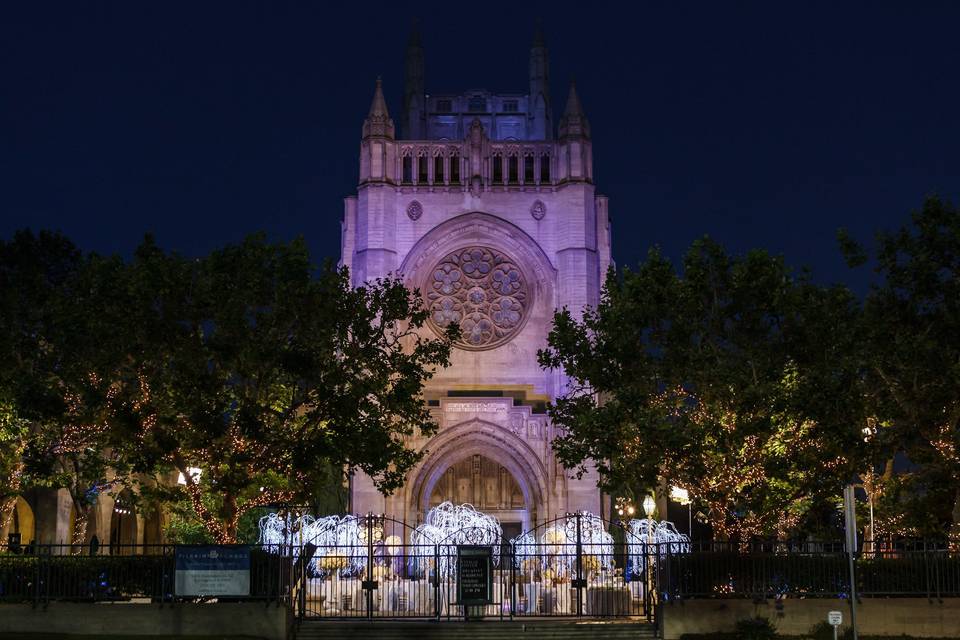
(493, 216)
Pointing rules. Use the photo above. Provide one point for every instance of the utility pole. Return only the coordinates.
(850, 524)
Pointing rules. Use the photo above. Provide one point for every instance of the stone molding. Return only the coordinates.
(477, 436)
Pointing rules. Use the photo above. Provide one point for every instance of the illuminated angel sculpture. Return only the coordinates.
(341, 540)
(662, 536)
(448, 526)
(557, 548)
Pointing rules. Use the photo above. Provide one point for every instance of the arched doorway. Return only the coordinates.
(489, 487)
(457, 447)
(22, 521)
(123, 525)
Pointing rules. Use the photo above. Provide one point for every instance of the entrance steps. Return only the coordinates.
(480, 630)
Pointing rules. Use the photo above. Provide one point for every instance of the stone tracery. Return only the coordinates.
(481, 289)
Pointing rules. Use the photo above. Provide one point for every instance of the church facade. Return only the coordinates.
(484, 205)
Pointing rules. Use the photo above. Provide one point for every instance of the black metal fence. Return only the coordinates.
(420, 581)
(43, 573)
(809, 570)
(542, 579)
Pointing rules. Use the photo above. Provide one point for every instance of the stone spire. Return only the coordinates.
(378, 122)
(414, 92)
(540, 117)
(574, 122)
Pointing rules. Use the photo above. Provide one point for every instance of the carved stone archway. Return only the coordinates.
(472, 437)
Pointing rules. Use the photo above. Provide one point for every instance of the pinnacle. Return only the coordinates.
(379, 105)
(574, 122)
(573, 108)
(378, 122)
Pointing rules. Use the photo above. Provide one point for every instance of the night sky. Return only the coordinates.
(761, 124)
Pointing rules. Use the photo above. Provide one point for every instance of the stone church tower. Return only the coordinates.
(491, 213)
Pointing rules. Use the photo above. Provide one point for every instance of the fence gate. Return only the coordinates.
(576, 566)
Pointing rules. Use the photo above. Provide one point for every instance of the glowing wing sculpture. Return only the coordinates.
(341, 540)
(663, 534)
(557, 548)
(448, 526)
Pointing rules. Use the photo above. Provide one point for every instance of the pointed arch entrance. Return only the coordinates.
(476, 442)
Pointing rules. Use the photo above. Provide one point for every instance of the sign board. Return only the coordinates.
(212, 570)
(474, 575)
(835, 618)
(13, 541)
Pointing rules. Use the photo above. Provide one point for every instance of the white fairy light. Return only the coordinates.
(450, 525)
(342, 539)
(557, 548)
(663, 534)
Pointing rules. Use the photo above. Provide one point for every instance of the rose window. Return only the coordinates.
(481, 289)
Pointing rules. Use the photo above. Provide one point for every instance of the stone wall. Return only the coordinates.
(917, 617)
(255, 620)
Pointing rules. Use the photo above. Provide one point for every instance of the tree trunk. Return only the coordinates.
(230, 519)
(6, 517)
(79, 529)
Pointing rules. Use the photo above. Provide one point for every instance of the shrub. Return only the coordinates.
(824, 631)
(758, 628)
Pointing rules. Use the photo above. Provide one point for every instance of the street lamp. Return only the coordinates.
(649, 506)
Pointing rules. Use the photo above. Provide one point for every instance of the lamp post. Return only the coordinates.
(649, 506)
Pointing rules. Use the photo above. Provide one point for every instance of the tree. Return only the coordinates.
(912, 326)
(49, 390)
(735, 379)
(13, 436)
(262, 372)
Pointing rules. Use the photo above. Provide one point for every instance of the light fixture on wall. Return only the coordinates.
(682, 496)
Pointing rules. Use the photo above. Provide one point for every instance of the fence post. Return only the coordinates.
(369, 583)
(436, 581)
(36, 580)
(936, 570)
(513, 579)
(301, 581)
(580, 581)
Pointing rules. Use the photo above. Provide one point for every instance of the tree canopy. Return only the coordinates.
(734, 378)
(50, 340)
(271, 376)
(911, 326)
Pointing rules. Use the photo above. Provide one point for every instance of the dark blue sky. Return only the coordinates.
(762, 124)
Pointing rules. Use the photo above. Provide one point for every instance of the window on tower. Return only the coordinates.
(438, 170)
(544, 169)
(407, 170)
(510, 106)
(498, 169)
(528, 169)
(455, 169)
(478, 104)
(513, 163)
(444, 106)
(422, 170)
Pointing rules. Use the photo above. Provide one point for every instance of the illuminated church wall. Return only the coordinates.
(491, 213)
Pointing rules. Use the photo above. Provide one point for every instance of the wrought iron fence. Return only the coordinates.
(43, 573)
(809, 570)
(419, 581)
(387, 577)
